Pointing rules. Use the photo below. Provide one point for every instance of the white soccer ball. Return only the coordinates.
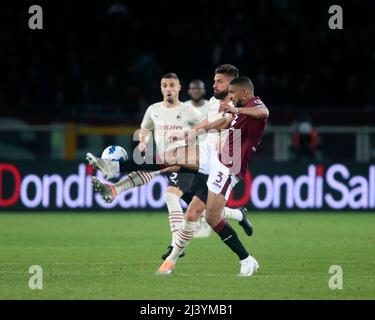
(115, 153)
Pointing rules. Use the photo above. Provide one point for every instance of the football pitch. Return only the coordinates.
(115, 255)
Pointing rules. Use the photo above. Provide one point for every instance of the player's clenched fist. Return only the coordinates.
(226, 108)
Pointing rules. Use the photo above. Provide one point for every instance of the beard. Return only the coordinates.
(238, 104)
(221, 94)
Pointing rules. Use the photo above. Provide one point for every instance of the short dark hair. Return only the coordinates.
(227, 69)
(243, 81)
(170, 75)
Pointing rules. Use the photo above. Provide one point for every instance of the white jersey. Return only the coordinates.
(213, 114)
(165, 121)
(203, 109)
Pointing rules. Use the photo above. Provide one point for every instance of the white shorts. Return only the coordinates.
(219, 180)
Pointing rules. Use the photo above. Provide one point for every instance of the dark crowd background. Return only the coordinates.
(102, 61)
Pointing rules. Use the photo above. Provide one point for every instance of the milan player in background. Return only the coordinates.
(165, 119)
(246, 123)
(196, 92)
(223, 168)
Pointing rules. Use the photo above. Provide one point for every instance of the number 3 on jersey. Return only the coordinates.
(219, 177)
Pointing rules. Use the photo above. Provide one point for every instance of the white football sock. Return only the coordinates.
(135, 179)
(176, 215)
(183, 237)
(229, 213)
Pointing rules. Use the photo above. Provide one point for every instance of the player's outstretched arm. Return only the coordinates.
(259, 113)
(222, 123)
(201, 125)
(205, 126)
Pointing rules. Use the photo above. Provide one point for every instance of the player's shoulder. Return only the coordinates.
(186, 106)
(213, 100)
(213, 105)
(257, 102)
(155, 106)
(188, 102)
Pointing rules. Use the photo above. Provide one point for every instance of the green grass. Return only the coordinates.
(114, 256)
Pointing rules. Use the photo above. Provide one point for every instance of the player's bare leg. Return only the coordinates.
(133, 180)
(171, 161)
(187, 157)
(214, 207)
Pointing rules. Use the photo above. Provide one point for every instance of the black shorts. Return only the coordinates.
(183, 181)
(199, 186)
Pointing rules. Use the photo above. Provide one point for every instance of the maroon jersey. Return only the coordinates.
(245, 134)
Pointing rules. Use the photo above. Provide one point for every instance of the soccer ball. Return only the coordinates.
(115, 153)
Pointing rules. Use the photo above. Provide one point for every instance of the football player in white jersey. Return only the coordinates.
(197, 92)
(224, 74)
(215, 139)
(164, 119)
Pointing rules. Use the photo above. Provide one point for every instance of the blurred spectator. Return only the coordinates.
(305, 144)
